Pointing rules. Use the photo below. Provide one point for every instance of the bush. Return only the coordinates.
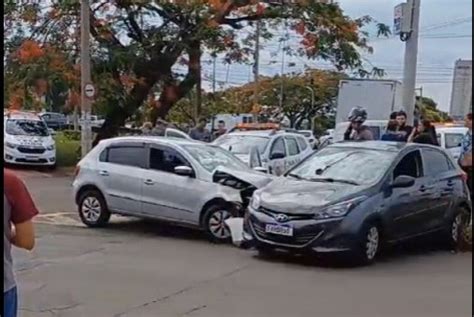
(67, 148)
(72, 135)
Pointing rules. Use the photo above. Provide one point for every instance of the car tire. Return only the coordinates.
(213, 223)
(368, 245)
(93, 209)
(454, 232)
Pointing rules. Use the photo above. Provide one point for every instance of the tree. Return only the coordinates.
(138, 43)
(429, 110)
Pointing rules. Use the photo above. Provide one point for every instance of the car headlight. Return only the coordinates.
(50, 147)
(255, 202)
(340, 209)
(11, 145)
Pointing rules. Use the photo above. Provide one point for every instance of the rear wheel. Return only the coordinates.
(214, 223)
(93, 209)
(455, 231)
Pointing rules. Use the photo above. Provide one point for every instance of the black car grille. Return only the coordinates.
(291, 216)
(299, 239)
(37, 150)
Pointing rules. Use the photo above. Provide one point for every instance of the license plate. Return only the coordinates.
(279, 230)
(32, 158)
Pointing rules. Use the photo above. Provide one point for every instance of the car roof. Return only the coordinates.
(151, 138)
(380, 145)
(263, 133)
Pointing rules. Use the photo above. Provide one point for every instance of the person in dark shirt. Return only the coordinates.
(221, 130)
(393, 115)
(200, 132)
(424, 135)
(391, 134)
(403, 129)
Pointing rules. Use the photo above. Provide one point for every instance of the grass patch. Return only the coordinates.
(67, 150)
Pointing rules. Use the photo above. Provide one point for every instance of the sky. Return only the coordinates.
(446, 35)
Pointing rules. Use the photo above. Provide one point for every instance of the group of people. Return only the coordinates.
(199, 132)
(397, 129)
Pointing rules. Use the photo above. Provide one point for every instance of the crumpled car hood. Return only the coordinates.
(256, 179)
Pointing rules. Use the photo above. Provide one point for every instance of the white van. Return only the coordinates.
(450, 138)
(27, 140)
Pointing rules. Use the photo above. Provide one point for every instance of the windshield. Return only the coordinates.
(453, 140)
(242, 144)
(357, 166)
(26, 127)
(211, 157)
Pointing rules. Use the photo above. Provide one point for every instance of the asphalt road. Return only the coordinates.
(139, 269)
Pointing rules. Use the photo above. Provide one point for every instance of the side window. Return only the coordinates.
(127, 155)
(410, 165)
(166, 159)
(302, 144)
(278, 147)
(292, 146)
(435, 162)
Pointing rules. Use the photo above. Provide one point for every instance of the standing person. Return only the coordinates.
(160, 128)
(424, 134)
(404, 129)
(393, 115)
(391, 134)
(465, 159)
(18, 230)
(147, 128)
(200, 132)
(221, 129)
(357, 131)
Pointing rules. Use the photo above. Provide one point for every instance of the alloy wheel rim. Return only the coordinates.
(217, 225)
(91, 209)
(372, 243)
(456, 227)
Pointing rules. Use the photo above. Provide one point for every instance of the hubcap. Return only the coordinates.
(91, 209)
(456, 227)
(217, 224)
(372, 243)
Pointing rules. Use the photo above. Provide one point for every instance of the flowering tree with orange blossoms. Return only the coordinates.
(144, 40)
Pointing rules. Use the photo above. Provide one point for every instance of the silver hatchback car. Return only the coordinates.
(184, 182)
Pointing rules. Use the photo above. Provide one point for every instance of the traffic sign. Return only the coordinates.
(89, 90)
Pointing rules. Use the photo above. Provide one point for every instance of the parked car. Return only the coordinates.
(184, 182)
(450, 138)
(27, 140)
(54, 120)
(353, 197)
(278, 150)
(308, 134)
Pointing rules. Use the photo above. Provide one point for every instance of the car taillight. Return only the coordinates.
(77, 170)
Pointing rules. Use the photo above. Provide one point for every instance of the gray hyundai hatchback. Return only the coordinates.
(353, 197)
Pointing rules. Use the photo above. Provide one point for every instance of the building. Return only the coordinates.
(461, 95)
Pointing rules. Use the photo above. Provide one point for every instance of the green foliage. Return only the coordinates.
(67, 149)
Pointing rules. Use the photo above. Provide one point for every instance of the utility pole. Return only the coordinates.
(256, 64)
(410, 61)
(86, 132)
(214, 62)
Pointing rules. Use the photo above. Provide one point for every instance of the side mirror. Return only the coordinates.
(183, 171)
(260, 169)
(277, 156)
(403, 181)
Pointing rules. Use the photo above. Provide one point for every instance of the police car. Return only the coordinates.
(266, 147)
(27, 140)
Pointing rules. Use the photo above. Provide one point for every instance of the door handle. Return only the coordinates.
(450, 183)
(149, 182)
(424, 188)
(103, 173)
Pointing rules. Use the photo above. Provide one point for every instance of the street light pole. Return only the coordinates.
(410, 61)
(86, 133)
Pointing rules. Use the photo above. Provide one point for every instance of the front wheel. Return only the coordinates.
(93, 209)
(368, 246)
(455, 232)
(214, 223)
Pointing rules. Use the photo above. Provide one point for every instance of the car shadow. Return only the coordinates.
(393, 255)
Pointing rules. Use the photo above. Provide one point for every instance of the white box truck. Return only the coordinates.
(379, 97)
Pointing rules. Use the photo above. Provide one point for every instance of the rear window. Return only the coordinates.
(453, 140)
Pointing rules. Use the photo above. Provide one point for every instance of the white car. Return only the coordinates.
(450, 138)
(278, 150)
(27, 140)
(184, 182)
(309, 135)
